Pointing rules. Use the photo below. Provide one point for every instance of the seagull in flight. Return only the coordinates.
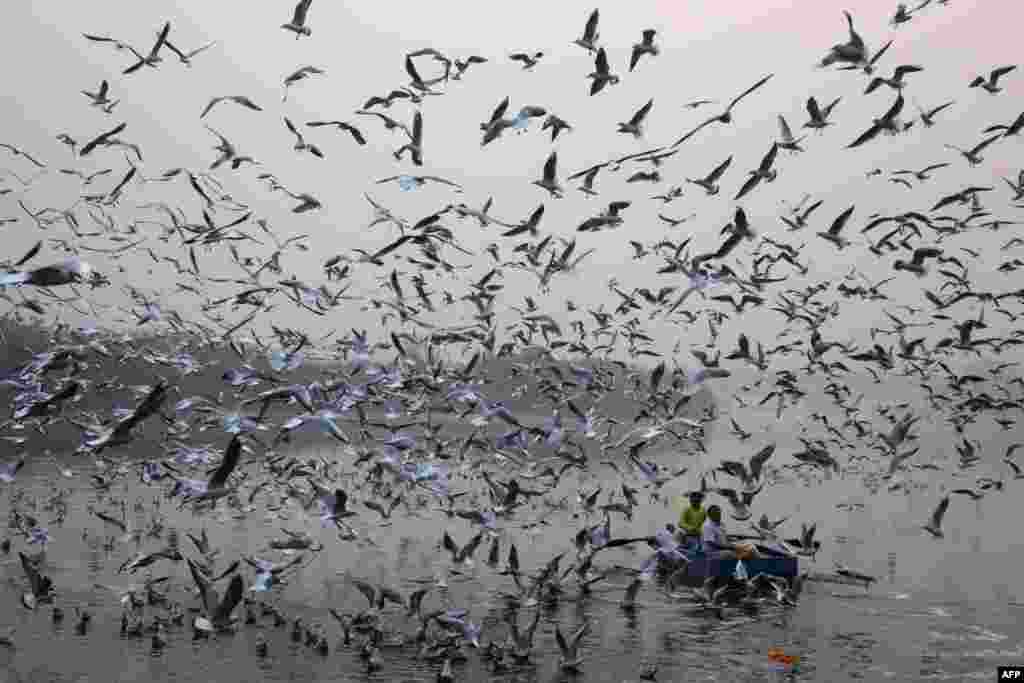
(710, 181)
(298, 23)
(646, 46)
(889, 123)
(601, 75)
(341, 125)
(853, 51)
(819, 117)
(635, 125)
(549, 180)
(973, 155)
(934, 525)
(763, 172)
(590, 34)
(153, 58)
(991, 84)
(415, 144)
(300, 142)
(99, 98)
(237, 99)
(725, 116)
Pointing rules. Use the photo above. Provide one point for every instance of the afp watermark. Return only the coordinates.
(1010, 673)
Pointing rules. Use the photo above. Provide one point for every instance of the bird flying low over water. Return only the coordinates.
(65, 273)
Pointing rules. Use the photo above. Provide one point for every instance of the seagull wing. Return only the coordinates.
(719, 170)
(748, 91)
(301, 10)
(940, 512)
(751, 183)
(985, 143)
(866, 136)
(840, 221)
(813, 111)
(228, 463)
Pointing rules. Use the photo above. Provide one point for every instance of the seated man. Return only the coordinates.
(713, 536)
(691, 521)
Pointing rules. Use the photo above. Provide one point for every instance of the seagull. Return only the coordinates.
(645, 47)
(415, 144)
(299, 74)
(227, 153)
(237, 99)
(833, 235)
(300, 142)
(786, 139)
(896, 82)
(1008, 131)
(218, 610)
(419, 181)
(217, 487)
(916, 264)
(819, 117)
(799, 220)
(601, 75)
(973, 155)
(934, 526)
(153, 58)
(549, 181)
(763, 172)
(556, 125)
(635, 125)
(298, 23)
(927, 117)
(463, 555)
(571, 659)
(389, 123)
(186, 57)
(102, 139)
(590, 34)
(461, 66)
(307, 202)
(710, 181)
(356, 134)
(889, 123)
(725, 116)
(992, 83)
(528, 61)
(609, 219)
(99, 98)
(852, 51)
(923, 174)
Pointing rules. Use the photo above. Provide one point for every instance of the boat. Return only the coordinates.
(699, 566)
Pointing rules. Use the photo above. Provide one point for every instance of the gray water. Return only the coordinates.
(941, 610)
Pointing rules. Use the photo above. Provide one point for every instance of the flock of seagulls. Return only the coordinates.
(490, 465)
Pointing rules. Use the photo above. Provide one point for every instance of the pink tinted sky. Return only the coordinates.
(709, 49)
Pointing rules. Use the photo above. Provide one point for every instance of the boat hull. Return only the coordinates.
(695, 571)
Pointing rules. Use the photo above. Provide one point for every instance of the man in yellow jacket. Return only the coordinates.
(691, 520)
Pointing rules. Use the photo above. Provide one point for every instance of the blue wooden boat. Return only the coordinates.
(698, 567)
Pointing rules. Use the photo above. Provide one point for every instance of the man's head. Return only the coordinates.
(696, 498)
(715, 514)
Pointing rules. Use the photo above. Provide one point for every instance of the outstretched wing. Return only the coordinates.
(748, 91)
(227, 464)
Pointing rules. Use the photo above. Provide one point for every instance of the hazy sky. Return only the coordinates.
(710, 50)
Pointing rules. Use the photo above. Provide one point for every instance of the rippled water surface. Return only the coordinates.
(942, 609)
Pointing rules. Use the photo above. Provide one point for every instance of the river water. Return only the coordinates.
(942, 609)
